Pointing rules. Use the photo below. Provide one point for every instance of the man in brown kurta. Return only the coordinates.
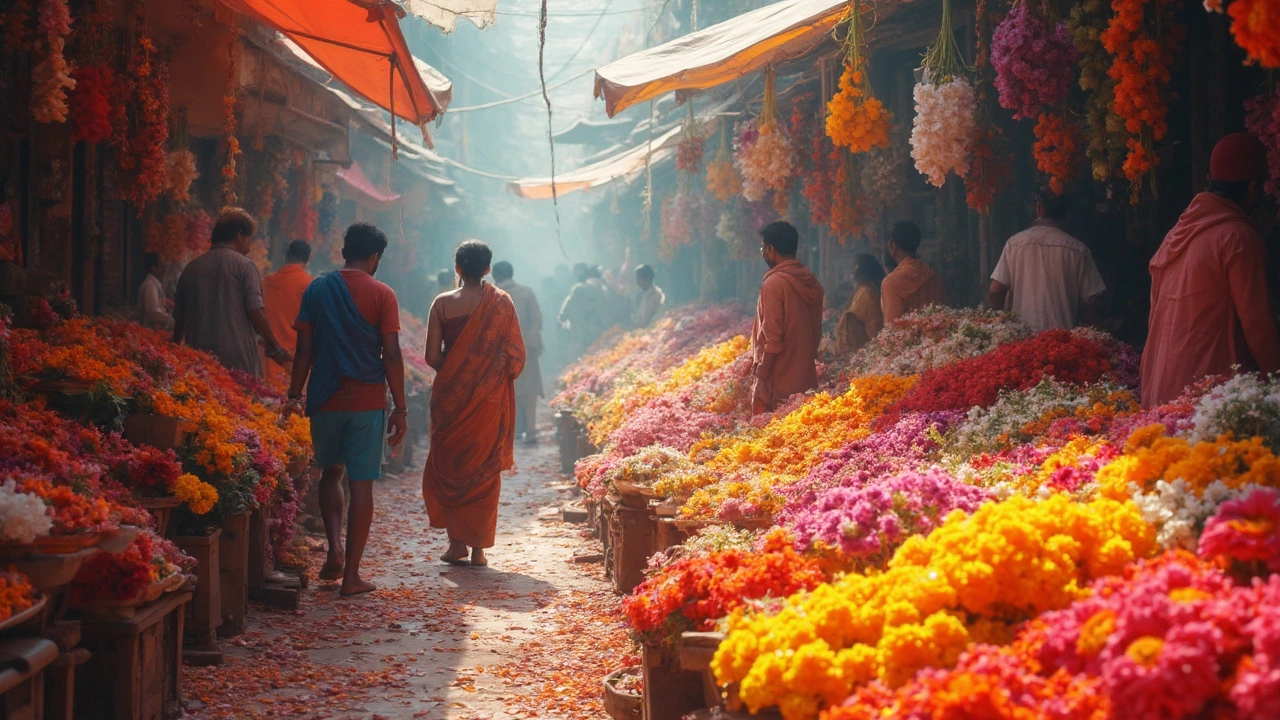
(788, 325)
(529, 384)
(913, 284)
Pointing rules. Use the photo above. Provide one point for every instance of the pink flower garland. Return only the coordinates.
(1034, 62)
(766, 160)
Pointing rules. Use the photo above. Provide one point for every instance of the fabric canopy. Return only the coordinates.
(360, 43)
(444, 14)
(624, 165)
(438, 83)
(720, 53)
(354, 177)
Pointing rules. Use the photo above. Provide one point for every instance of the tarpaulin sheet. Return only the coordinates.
(444, 14)
(359, 42)
(441, 87)
(623, 165)
(354, 176)
(720, 53)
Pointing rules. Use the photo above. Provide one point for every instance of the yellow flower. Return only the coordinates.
(199, 496)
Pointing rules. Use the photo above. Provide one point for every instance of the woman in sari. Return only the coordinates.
(474, 343)
(862, 320)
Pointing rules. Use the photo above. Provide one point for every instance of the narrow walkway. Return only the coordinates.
(529, 636)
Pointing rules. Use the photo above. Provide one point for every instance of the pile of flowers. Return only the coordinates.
(966, 519)
(116, 578)
(16, 593)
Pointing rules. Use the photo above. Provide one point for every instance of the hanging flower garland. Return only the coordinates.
(230, 196)
(850, 208)
(767, 161)
(945, 109)
(1142, 61)
(1055, 149)
(684, 218)
(181, 174)
(141, 144)
(722, 178)
(856, 119)
(1033, 58)
(17, 25)
(179, 237)
(1105, 135)
(689, 151)
(51, 77)
(739, 226)
(1262, 120)
(91, 103)
(883, 170)
(819, 187)
(1253, 25)
(989, 166)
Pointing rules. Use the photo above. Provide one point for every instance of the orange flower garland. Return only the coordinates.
(1141, 68)
(1253, 24)
(1055, 150)
(856, 119)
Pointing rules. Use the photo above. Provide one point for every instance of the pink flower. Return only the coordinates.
(946, 120)
(1245, 530)
(1034, 62)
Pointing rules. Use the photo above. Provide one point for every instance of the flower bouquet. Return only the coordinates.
(856, 119)
(946, 109)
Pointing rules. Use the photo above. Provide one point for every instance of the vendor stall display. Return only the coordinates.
(963, 504)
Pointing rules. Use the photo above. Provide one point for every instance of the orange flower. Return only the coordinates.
(1253, 24)
(855, 118)
(1055, 149)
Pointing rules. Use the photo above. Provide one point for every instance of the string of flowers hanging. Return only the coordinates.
(181, 164)
(722, 179)
(856, 119)
(1143, 41)
(1105, 135)
(142, 158)
(230, 123)
(989, 166)
(946, 110)
(51, 77)
(1253, 25)
(689, 151)
(1262, 120)
(764, 155)
(1034, 59)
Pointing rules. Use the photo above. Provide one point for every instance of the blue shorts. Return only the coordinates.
(353, 439)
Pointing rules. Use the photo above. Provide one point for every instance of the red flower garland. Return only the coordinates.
(989, 171)
(91, 103)
(1055, 150)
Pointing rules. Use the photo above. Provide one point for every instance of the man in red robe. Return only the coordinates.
(913, 284)
(1210, 314)
(788, 326)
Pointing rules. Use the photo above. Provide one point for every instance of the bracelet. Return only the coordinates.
(400, 411)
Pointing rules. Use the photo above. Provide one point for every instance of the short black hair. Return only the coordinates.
(580, 271)
(1233, 190)
(1054, 207)
(906, 235)
(645, 271)
(299, 251)
(362, 241)
(867, 269)
(502, 270)
(232, 222)
(444, 277)
(594, 271)
(781, 236)
(473, 258)
(150, 261)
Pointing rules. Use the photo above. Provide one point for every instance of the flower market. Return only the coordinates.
(675, 359)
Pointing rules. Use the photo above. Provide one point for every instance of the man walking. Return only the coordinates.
(912, 284)
(583, 309)
(1210, 314)
(529, 383)
(282, 293)
(788, 324)
(218, 305)
(348, 355)
(1045, 276)
(649, 303)
(151, 308)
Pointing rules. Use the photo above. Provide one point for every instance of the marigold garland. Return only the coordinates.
(989, 171)
(1253, 25)
(1055, 149)
(856, 119)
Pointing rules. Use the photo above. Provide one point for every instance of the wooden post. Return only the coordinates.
(258, 539)
(233, 559)
(205, 610)
(135, 672)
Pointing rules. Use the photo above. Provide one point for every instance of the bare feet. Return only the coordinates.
(477, 558)
(456, 554)
(332, 568)
(356, 587)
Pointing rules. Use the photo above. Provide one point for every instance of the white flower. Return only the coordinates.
(944, 125)
(23, 517)
(1178, 513)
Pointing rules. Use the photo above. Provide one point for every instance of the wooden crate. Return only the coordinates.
(567, 431)
(632, 543)
(233, 559)
(23, 663)
(60, 679)
(667, 534)
(135, 672)
(259, 536)
(159, 431)
(670, 692)
(204, 613)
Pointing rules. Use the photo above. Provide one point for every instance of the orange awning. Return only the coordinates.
(354, 176)
(721, 53)
(359, 42)
(624, 165)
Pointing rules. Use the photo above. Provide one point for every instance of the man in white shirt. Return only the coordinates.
(1045, 276)
(152, 311)
(651, 299)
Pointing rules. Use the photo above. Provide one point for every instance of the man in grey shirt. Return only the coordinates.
(218, 306)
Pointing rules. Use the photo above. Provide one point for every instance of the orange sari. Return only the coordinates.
(473, 413)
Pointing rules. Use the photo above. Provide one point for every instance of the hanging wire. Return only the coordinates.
(551, 140)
